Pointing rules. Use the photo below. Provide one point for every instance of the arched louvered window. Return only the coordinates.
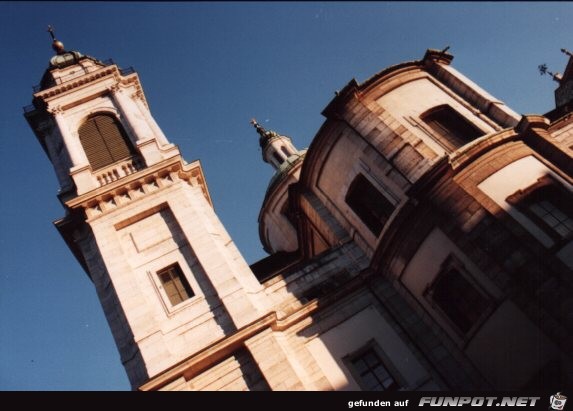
(104, 141)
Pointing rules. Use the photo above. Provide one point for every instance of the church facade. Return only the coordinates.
(422, 242)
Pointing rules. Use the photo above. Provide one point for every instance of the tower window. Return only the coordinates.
(278, 157)
(369, 370)
(175, 284)
(369, 204)
(285, 151)
(457, 298)
(549, 205)
(451, 128)
(104, 141)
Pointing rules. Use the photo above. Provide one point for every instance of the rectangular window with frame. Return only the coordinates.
(369, 204)
(369, 370)
(175, 284)
(451, 128)
(454, 294)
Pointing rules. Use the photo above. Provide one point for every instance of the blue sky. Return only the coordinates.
(207, 68)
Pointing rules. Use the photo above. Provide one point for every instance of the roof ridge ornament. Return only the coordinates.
(57, 45)
(543, 69)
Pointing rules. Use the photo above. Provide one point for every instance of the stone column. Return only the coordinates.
(128, 108)
(150, 120)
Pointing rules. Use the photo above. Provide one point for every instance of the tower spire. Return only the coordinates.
(57, 45)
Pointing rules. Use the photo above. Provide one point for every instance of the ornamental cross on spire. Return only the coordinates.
(57, 45)
(51, 31)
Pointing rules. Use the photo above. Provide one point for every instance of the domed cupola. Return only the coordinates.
(276, 148)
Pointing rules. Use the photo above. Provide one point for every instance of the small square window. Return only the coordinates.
(369, 370)
(175, 284)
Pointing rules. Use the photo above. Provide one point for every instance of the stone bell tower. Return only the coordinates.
(138, 217)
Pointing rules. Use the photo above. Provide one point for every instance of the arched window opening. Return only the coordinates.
(285, 151)
(104, 141)
(278, 158)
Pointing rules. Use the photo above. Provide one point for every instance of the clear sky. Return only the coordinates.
(207, 69)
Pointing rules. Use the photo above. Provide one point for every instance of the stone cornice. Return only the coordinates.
(76, 82)
(104, 72)
(468, 153)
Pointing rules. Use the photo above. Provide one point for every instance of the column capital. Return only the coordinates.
(138, 95)
(56, 110)
(114, 88)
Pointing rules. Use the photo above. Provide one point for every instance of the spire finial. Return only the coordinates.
(260, 129)
(57, 45)
(565, 51)
(51, 31)
(265, 135)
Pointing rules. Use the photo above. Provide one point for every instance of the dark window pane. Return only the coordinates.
(553, 217)
(369, 204)
(371, 382)
(360, 366)
(277, 157)
(371, 359)
(549, 206)
(175, 285)
(452, 129)
(458, 299)
(373, 375)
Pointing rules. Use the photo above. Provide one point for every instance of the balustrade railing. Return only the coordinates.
(118, 170)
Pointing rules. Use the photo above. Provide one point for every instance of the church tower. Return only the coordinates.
(140, 221)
